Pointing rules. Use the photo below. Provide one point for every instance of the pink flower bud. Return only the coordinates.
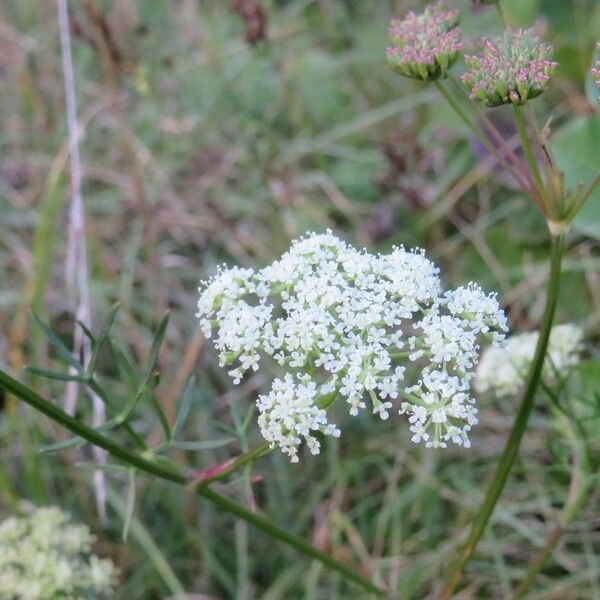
(510, 70)
(425, 46)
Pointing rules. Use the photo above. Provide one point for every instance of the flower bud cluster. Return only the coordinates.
(596, 69)
(425, 46)
(44, 555)
(503, 370)
(511, 69)
(344, 323)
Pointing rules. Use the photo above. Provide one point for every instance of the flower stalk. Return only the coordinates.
(527, 149)
(520, 425)
(159, 469)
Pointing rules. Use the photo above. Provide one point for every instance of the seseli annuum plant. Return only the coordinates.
(334, 327)
(513, 69)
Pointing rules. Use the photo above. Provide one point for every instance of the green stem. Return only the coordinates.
(518, 165)
(577, 494)
(520, 424)
(527, 149)
(502, 15)
(481, 136)
(46, 407)
(206, 477)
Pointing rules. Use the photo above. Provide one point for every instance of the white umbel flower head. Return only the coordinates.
(503, 370)
(345, 323)
(44, 555)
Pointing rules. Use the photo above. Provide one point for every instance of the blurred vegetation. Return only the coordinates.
(203, 143)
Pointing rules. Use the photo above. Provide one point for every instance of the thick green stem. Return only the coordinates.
(46, 407)
(520, 424)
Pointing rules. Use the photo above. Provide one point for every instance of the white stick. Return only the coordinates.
(76, 268)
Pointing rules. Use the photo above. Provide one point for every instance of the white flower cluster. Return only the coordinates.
(343, 322)
(44, 555)
(503, 370)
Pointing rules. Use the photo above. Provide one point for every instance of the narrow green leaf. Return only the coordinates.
(123, 364)
(184, 408)
(161, 416)
(102, 337)
(63, 351)
(77, 440)
(56, 375)
(130, 507)
(203, 445)
(156, 344)
(87, 331)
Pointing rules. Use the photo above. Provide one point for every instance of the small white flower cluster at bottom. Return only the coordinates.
(289, 413)
(44, 555)
(343, 323)
(503, 370)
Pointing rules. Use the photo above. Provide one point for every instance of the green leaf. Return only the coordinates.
(65, 354)
(56, 375)
(575, 149)
(203, 445)
(76, 441)
(124, 366)
(87, 332)
(97, 345)
(130, 507)
(184, 408)
(161, 416)
(156, 344)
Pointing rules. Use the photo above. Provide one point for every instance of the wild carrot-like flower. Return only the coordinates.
(44, 555)
(345, 323)
(511, 69)
(503, 370)
(425, 46)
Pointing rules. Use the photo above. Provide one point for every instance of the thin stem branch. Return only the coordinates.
(527, 149)
(482, 137)
(497, 136)
(121, 453)
(208, 476)
(520, 424)
(502, 15)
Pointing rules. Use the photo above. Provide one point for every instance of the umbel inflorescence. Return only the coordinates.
(343, 323)
(44, 555)
(503, 370)
(511, 69)
(596, 68)
(425, 46)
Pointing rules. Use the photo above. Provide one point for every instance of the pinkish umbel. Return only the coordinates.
(425, 46)
(511, 69)
(596, 68)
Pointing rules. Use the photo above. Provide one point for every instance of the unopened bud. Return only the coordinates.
(425, 45)
(511, 69)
